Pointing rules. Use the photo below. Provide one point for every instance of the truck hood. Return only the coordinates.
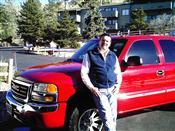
(51, 72)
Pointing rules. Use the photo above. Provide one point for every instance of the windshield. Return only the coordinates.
(116, 46)
(78, 56)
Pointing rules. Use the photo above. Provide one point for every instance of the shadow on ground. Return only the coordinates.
(13, 125)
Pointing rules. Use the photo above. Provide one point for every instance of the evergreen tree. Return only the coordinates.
(50, 14)
(7, 21)
(67, 33)
(3, 21)
(138, 22)
(31, 21)
(94, 21)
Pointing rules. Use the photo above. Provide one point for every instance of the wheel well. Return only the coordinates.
(82, 99)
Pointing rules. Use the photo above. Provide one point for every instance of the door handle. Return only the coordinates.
(160, 72)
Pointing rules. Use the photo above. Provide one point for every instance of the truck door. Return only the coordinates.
(142, 84)
(168, 48)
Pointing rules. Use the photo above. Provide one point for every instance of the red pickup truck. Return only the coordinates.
(54, 95)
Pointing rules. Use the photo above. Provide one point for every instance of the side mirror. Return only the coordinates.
(134, 61)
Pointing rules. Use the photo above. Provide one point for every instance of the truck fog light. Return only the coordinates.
(36, 98)
(48, 98)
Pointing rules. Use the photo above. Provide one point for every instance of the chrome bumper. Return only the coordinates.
(27, 107)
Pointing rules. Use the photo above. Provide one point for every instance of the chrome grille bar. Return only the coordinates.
(20, 89)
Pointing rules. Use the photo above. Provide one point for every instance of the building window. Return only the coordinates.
(114, 8)
(107, 9)
(125, 12)
(111, 22)
(102, 9)
(114, 22)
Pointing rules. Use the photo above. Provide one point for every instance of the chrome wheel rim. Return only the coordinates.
(90, 121)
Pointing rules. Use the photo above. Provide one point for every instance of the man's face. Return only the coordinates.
(105, 42)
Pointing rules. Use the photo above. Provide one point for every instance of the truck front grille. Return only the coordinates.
(20, 89)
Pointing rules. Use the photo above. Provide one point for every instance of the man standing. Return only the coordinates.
(101, 73)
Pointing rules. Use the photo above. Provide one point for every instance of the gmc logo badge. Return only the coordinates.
(15, 87)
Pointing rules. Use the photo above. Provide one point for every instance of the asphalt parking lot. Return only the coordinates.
(153, 119)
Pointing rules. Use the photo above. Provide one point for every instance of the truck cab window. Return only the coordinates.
(146, 50)
(168, 47)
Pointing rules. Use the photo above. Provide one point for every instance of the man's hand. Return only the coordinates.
(95, 91)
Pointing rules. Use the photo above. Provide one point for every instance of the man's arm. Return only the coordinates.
(85, 71)
(85, 77)
(118, 73)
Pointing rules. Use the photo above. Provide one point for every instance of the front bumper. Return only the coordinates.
(39, 115)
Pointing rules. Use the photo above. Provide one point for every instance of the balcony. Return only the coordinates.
(112, 26)
(153, 6)
(106, 14)
(76, 18)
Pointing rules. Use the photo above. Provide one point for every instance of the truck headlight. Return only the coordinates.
(45, 88)
(44, 92)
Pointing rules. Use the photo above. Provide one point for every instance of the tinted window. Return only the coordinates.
(118, 45)
(168, 47)
(144, 49)
(78, 56)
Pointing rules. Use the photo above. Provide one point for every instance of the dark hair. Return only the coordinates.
(105, 34)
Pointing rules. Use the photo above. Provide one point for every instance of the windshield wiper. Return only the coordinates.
(73, 60)
(70, 60)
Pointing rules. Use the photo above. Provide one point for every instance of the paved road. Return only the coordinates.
(155, 119)
(23, 59)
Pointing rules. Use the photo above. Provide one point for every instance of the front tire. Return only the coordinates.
(85, 120)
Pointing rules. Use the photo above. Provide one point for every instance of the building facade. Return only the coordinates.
(118, 16)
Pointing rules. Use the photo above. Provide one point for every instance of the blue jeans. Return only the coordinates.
(107, 107)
